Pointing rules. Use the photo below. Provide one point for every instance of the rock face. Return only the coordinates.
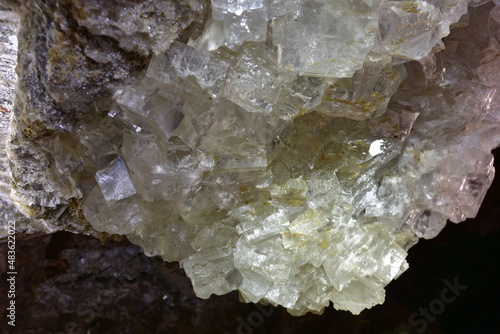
(142, 26)
(290, 150)
(9, 22)
(68, 72)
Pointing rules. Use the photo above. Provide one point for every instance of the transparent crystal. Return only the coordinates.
(114, 181)
(182, 61)
(411, 29)
(293, 152)
(325, 38)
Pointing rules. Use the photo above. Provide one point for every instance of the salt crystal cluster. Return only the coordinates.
(295, 150)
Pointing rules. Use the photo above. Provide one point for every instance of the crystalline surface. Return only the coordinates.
(242, 20)
(182, 61)
(294, 152)
(114, 181)
(367, 93)
(410, 29)
(326, 38)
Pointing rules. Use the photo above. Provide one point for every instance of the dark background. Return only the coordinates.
(69, 283)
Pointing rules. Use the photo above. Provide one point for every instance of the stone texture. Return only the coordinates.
(142, 26)
(9, 22)
(297, 179)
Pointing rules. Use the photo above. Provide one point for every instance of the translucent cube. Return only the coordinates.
(114, 181)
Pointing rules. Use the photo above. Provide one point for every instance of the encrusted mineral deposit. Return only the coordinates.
(290, 150)
(9, 22)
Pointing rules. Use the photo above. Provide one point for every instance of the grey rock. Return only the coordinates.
(141, 26)
(73, 55)
(9, 22)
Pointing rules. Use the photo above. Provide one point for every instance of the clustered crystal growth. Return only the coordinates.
(293, 150)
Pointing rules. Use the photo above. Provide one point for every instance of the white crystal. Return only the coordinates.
(325, 38)
(114, 181)
(161, 171)
(236, 21)
(120, 217)
(182, 61)
(411, 29)
(157, 113)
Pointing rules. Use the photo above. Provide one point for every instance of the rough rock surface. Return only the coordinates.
(9, 22)
(68, 72)
(142, 26)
